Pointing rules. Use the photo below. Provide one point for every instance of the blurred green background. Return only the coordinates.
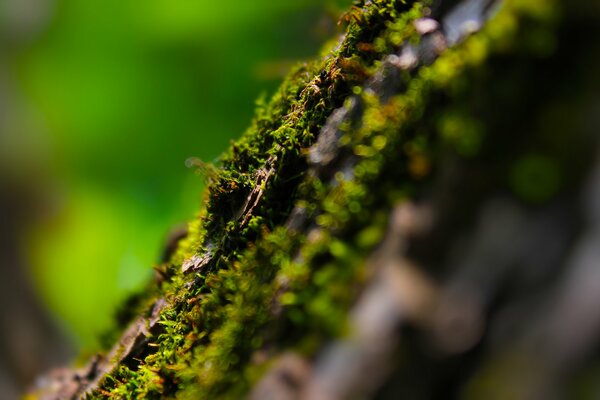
(104, 101)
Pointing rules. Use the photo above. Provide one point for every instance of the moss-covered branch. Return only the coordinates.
(374, 223)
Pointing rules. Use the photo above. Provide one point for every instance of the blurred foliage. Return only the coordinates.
(122, 93)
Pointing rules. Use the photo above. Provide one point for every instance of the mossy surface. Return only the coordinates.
(243, 282)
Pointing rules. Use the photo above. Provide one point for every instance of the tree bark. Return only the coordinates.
(416, 214)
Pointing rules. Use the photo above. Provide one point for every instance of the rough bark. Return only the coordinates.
(413, 215)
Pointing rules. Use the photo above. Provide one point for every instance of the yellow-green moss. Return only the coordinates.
(218, 317)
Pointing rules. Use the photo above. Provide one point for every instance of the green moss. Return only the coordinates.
(268, 287)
